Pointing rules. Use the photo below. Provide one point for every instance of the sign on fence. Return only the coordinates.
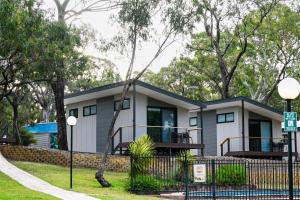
(290, 121)
(200, 173)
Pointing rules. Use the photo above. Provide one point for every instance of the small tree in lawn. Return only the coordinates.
(136, 17)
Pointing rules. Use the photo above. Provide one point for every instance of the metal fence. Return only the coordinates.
(199, 178)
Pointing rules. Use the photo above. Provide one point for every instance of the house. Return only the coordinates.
(163, 115)
(45, 134)
(242, 127)
(232, 127)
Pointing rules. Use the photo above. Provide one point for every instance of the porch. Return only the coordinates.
(167, 140)
(257, 147)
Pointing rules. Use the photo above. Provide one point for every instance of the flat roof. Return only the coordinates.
(141, 87)
(50, 127)
(249, 104)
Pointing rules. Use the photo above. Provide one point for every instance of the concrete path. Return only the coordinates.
(34, 183)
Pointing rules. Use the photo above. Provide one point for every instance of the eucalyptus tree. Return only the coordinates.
(228, 28)
(136, 20)
(273, 54)
(59, 59)
(98, 72)
(68, 10)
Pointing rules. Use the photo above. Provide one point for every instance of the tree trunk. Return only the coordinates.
(58, 87)
(16, 131)
(100, 173)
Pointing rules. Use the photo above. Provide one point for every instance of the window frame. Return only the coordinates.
(90, 109)
(74, 109)
(225, 115)
(191, 118)
(122, 108)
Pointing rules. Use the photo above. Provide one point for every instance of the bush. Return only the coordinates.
(180, 172)
(146, 183)
(232, 175)
(142, 151)
(27, 138)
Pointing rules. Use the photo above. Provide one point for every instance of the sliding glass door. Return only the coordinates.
(163, 119)
(260, 135)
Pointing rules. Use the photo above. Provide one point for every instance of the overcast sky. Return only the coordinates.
(103, 25)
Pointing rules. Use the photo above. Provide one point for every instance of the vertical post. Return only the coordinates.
(243, 124)
(121, 140)
(213, 177)
(290, 157)
(134, 111)
(201, 132)
(295, 144)
(71, 160)
(186, 176)
(131, 173)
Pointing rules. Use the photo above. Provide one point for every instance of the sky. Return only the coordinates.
(102, 23)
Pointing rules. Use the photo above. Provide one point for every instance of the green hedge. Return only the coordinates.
(230, 175)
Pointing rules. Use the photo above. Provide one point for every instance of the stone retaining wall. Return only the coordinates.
(57, 157)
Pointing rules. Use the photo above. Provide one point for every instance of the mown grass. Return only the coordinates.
(83, 181)
(11, 190)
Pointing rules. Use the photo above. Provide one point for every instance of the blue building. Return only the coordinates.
(45, 134)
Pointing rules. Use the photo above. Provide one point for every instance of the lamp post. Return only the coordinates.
(71, 121)
(289, 89)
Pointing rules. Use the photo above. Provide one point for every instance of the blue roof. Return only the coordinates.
(50, 127)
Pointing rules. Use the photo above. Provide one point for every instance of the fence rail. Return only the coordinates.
(222, 179)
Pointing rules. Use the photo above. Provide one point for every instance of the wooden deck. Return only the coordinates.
(258, 154)
(169, 145)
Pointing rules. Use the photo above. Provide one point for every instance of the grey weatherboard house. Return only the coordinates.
(163, 115)
(233, 127)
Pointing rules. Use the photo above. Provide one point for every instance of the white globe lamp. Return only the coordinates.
(289, 88)
(72, 121)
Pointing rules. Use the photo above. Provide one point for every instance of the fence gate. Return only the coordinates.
(198, 178)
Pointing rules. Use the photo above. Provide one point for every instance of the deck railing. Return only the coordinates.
(255, 144)
(159, 134)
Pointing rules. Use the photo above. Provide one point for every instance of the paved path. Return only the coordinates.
(37, 184)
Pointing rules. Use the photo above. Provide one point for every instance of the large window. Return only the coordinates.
(225, 118)
(73, 112)
(89, 110)
(126, 104)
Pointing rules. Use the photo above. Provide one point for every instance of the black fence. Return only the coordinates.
(198, 178)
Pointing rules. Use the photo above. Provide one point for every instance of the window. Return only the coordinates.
(193, 121)
(73, 112)
(126, 104)
(225, 118)
(89, 110)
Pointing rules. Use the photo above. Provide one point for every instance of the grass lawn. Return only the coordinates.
(11, 190)
(83, 181)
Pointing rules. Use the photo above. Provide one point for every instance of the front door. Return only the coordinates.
(161, 121)
(260, 135)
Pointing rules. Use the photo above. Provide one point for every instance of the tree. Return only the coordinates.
(20, 22)
(228, 28)
(135, 17)
(67, 10)
(273, 54)
(58, 60)
(99, 72)
(180, 78)
(43, 96)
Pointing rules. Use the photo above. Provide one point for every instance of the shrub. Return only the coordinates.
(184, 156)
(142, 151)
(230, 175)
(27, 138)
(146, 183)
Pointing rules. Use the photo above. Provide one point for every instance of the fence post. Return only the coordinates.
(131, 174)
(213, 176)
(186, 176)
